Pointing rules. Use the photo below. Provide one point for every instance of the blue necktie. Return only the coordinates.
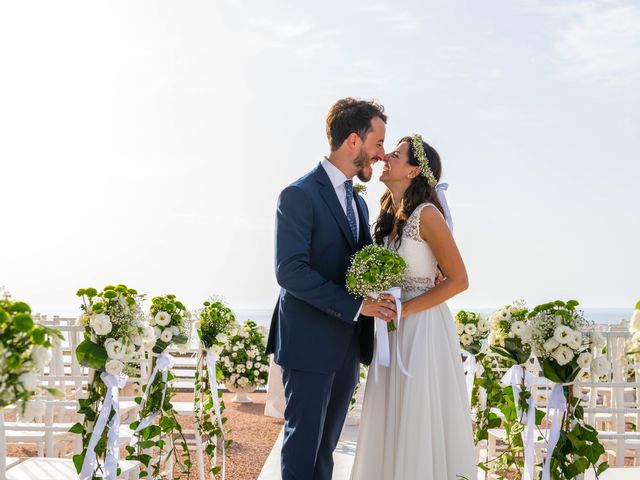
(351, 216)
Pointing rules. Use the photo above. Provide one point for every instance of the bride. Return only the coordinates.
(415, 423)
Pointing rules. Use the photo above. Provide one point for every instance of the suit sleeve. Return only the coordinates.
(294, 224)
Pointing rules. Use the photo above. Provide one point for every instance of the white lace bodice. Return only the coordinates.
(421, 262)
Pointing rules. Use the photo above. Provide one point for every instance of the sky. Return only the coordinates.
(146, 143)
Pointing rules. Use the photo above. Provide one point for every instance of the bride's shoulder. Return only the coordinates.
(430, 219)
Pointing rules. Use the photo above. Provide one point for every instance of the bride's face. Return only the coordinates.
(397, 168)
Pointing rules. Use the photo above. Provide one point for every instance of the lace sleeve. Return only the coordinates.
(412, 228)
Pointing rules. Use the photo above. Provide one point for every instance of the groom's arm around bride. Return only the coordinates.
(317, 335)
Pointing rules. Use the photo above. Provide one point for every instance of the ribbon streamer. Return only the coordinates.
(474, 369)
(113, 383)
(515, 376)
(440, 189)
(381, 355)
(163, 364)
(558, 403)
(212, 359)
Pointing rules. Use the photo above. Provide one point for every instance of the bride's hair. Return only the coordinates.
(419, 191)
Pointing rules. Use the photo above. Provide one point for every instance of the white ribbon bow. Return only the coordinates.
(163, 364)
(557, 402)
(514, 376)
(113, 383)
(212, 359)
(382, 356)
(440, 189)
(474, 369)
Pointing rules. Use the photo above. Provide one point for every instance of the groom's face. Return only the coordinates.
(372, 150)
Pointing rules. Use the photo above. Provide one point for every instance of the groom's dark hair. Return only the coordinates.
(350, 115)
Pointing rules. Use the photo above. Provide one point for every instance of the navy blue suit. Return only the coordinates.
(313, 334)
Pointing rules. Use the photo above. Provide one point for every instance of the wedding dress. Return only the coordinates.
(417, 427)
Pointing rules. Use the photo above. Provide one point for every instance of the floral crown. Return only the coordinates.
(421, 156)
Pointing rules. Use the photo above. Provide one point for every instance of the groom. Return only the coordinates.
(319, 332)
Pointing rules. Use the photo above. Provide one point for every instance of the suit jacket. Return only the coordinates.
(313, 321)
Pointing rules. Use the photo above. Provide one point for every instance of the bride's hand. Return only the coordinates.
(383, 307)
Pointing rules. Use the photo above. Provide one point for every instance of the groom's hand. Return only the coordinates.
(383, 308)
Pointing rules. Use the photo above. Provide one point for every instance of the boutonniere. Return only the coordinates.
(360, 188)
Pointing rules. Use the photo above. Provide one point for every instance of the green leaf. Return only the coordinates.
(22, 322)
(91, 355)
(77, 428)
(78, 460)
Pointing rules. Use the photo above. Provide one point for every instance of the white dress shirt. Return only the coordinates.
(337, 179)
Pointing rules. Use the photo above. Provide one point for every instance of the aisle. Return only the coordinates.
(343, 456)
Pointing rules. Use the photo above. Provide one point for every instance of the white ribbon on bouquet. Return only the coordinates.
(474, 369)
(113, 383)
(163, 364)
(514, 376)
(212, 359)
(382, 356)
(558, 403)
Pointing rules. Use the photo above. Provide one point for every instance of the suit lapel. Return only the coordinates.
(328, 194)
(364, 220)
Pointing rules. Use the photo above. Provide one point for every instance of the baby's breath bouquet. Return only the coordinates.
(243, 361)
(509, 333)
(214, 323)
(24, 351)
(472, 329)
(373, 270)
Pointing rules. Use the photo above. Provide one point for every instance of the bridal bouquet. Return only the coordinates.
(472, 329)
(374, 270)
(509, 333)
(633, 345)
(24, 352)
(171, 324)
(215, 322)
(563, 348)
(243, 361)
(114, 334)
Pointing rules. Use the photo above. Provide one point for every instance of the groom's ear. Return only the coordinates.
(352, 140)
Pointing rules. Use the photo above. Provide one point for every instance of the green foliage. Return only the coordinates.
(373, 270)
(214, 319)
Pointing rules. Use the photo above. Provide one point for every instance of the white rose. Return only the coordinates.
(256, 373)
(600, 366)
(517, 328)
(598, 340)
(562, 334)
(114, 367)
(251, 354)
(470, 328)
(222, 338)
(235, 348)
(217, 349)
(29, 381)
(234, 354)
(249, 365)
(551, 344)
(459, 328)
(167, 335)
(575, 340)
(483, 325)
(137, 339)
(163, 319)
(243, 381)
(466, 339)
(634, 322)
(115, 349)
(101, 324)
(584, 360)
(40, 356)
(157, 331)
(563, 355)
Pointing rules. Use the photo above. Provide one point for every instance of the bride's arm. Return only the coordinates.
(434, 231)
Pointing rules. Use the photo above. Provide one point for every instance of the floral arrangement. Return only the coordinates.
(472, 329)
(171, 324)
(114, 335)
(360, 188)
(375, 269)
(509, 333)
(633, 345)
(24, 352)
(243, 362)
(563, 348)
(214, 323)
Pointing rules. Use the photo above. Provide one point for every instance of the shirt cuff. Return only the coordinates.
(359, 310)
